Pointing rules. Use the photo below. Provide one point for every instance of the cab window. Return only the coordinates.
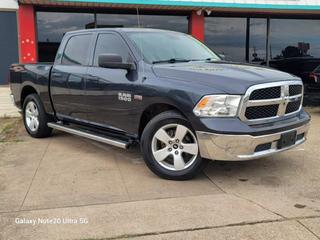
(77, 50)
(111, 44)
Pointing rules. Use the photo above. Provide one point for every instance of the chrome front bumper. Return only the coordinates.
(244, 147)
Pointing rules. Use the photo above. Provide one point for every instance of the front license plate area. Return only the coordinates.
(287, 139)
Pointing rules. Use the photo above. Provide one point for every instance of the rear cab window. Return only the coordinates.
(77, 50)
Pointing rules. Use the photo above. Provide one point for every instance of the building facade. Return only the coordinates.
(8, 37)
(283, 33)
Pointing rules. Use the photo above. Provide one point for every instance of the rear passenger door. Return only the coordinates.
(68, 77)
(110, 91)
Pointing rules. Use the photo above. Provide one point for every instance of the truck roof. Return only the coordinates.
(121, 30)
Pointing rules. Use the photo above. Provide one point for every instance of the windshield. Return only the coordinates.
(171, 47)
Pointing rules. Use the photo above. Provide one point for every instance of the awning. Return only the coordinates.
(8, 5)
(296, 6)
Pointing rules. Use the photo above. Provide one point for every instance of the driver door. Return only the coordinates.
(105, 87)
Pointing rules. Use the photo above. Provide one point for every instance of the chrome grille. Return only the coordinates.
(262, 111)
(266, 93)
(270, 101)
(295, 89)
(293, 106)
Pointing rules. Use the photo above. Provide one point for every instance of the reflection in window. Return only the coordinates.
(294, 38)
(116, 20)
(175, 23)
(155, 47)
(51, 26)
(258, 40)
(111, 44)
(295, 46)
(76, 51)
(226, 36)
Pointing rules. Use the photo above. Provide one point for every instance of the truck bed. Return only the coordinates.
(22, 76)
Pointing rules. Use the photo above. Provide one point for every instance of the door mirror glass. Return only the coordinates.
(113, 61)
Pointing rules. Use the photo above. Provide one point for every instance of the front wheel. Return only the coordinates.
(170, 147)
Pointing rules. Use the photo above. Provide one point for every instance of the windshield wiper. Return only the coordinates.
(206, 60)
(171, 60)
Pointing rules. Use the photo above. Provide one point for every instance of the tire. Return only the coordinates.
(35, 118)
(163, 157)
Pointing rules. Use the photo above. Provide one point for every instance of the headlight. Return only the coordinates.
(218, 106)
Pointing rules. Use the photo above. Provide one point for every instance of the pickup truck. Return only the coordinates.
(163, 90)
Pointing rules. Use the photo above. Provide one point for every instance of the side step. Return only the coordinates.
(90, 135)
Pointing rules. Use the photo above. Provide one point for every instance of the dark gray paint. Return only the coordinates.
(8, 43)
(179, 85)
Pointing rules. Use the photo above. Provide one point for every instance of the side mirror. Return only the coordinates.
(114, 61)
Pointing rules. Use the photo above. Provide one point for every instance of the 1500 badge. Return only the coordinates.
(127, 97)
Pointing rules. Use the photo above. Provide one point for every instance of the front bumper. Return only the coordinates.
(244, 147)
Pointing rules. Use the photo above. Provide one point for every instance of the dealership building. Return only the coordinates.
(254, 31)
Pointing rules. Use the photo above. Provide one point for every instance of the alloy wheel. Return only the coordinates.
(32, 116)
(174, 147)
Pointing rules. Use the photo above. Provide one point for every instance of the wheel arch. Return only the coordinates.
(152, 110)
(26, 90)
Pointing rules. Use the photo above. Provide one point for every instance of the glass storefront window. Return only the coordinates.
(227, 36)
(294, 38)
(174, 23)
(116, 20)
(51, 26)
(295, 46)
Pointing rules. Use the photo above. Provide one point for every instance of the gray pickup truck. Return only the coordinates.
(165, 91)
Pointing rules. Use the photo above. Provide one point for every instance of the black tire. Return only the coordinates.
(159, 121)
(42, 130)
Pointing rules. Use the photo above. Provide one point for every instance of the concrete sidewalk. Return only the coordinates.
(7, 109)
(67, 187)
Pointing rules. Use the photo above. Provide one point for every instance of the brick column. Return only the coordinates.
(196, 25)
(27, 34)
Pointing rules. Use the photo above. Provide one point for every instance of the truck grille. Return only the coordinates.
(295, 90)
(264, 102)
(266, 93)
(293, 106)
(262, 111)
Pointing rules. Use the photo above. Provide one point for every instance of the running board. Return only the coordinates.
(92, 136)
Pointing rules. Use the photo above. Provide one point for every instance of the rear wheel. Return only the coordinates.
(170, 147)
(35, 118)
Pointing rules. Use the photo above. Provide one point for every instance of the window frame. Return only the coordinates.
(64, 45)
(96, 37)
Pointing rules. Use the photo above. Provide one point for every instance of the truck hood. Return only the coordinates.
(232, 78)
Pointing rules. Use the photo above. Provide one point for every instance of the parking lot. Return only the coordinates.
(101, 192)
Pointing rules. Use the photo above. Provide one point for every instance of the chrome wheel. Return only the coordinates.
(32, 116)
(174, 147)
